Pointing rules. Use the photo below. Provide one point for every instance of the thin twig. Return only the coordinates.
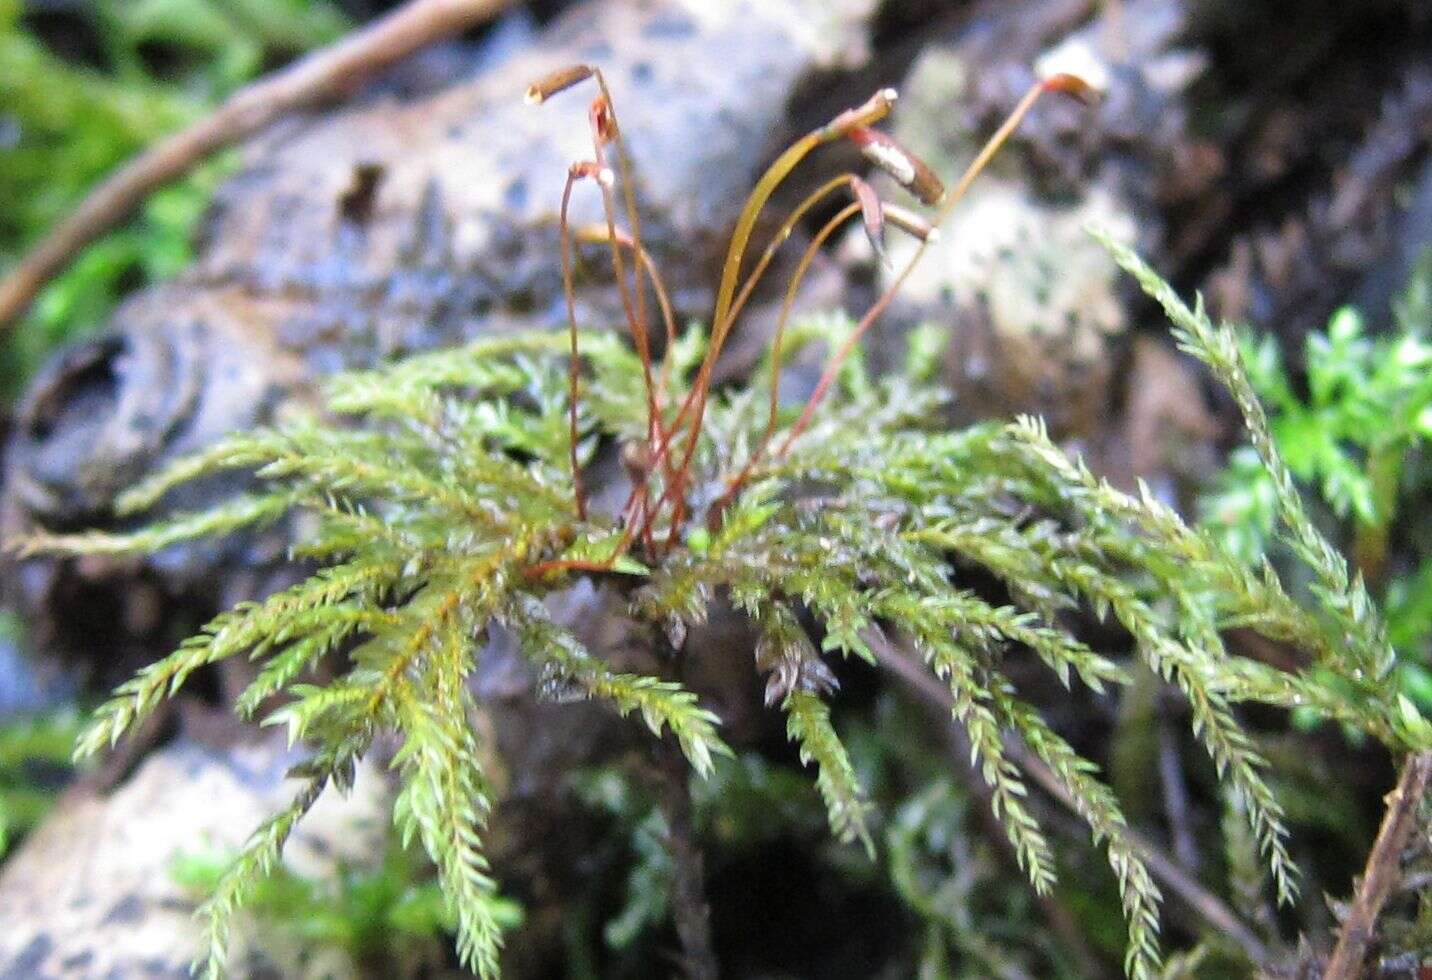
(574, 365)
(321, 75)
(1207, 905)
(1060, 919)
(1384, 868)
(689, 910)
(1175, 796)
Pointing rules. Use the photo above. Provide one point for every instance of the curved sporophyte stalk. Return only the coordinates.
(682, 435)
(600, 235)
(734, 484)
(603, 234)
(779, 238)
(913, 174)
(576, 172)
(753, 278)
(876, 108)
(1065, 84)
(596, 233)
(874, 213)
(606, 131)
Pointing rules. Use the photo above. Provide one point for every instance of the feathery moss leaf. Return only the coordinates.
(808, 725)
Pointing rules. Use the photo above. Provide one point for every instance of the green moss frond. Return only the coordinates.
(251, 626)
(261, 853)
(973, 708)
(1192, 671)
(568, 667)
(444, 803)
(1100, 809)
(808, 725)
(1344, 596)
(237, 513)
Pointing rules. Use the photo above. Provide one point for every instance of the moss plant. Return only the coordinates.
(1359, 439)
(444, 496)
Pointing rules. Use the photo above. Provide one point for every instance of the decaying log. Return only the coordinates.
(338, 68)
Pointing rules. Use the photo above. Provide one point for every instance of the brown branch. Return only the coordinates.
(324, 74)
(1203, 902)
(1384, 868)
(1175, 796)
(689, 910)
(1060, 918)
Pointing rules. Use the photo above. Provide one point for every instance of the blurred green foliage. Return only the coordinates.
(79, 97)
(1357, 431)
(387, 920)
(34, 764)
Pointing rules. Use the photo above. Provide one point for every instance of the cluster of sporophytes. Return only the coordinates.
(443, 497)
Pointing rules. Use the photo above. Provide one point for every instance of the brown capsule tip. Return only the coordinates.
(881, 149)
(872, 214)
(1073, 86)
(558, 81)
(604, 123)
(908, 170)
(871, 111)
(912, 223)
(589, 169)
(927, 187)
